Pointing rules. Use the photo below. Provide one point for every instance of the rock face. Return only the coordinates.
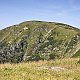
(37, 40)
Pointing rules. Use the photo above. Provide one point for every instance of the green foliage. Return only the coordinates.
(53, 55)
(37, 57)
(72, 43)
(34, 57)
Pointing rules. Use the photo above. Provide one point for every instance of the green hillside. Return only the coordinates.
(38, 40)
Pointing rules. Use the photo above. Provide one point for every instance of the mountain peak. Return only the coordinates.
(38, 40)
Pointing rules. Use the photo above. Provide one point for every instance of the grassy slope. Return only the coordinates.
(15, 30)
(64, 32)
(37, 71)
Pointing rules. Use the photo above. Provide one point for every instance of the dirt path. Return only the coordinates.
(56, 68)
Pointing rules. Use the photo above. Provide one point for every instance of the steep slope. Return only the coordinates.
(34, 40)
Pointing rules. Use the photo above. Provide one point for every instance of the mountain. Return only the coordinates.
(38, 40)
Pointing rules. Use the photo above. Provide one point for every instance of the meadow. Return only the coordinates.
(60, 69)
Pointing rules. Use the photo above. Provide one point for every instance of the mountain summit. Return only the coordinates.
(38, 40)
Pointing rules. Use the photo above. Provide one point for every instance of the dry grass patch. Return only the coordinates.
(33, 70)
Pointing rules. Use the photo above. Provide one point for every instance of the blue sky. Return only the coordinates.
(16, 11)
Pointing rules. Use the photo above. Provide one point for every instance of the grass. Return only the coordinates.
(38, 71)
